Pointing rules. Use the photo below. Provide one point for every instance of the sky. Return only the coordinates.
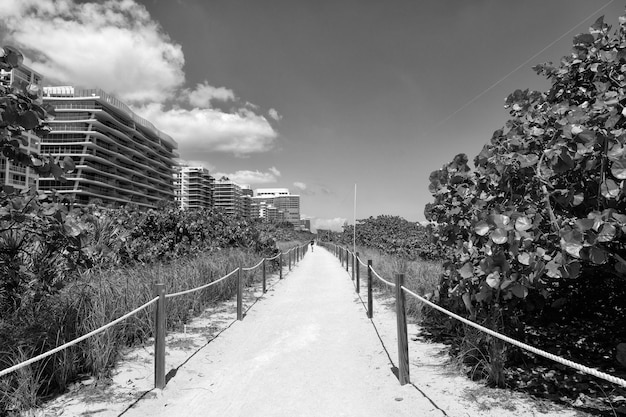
(337, 100)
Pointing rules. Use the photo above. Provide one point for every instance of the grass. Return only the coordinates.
(96, 299)
(421, 277)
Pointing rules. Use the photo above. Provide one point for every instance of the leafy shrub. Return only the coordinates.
(544, 210)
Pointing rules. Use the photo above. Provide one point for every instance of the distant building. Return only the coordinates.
(276, 205)
(120, 157)
(13, 173)
(228, 197)
(305, 224)
(193, 187)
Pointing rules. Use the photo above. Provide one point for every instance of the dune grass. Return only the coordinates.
(96, 299)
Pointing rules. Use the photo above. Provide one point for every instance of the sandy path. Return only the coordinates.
(308, 351)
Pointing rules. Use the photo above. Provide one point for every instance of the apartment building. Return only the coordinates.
(193, 187)
(12, 173)
(228, 197)
(276, 205)
(120, 157)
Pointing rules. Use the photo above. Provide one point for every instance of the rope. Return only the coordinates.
(271, 259)
(391, 284)
(532, 349)
(176, 294)
(75, 341)
(361, 262)
(254, 267)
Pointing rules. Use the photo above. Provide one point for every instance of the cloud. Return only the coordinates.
(300, 185)
(202, 131)
(335, 224)
(115, 45)
(274, 171)
(248, 177)
(205, 93)
(274, 114)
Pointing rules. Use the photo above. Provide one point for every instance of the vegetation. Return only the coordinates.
(537, 232)
(65, 271)
(392, 235)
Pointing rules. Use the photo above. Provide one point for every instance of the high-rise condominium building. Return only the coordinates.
(120, 157)
(276, 204)
(193, 187)
(228, 197)
(13, 173)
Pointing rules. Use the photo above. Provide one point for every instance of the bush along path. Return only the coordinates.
(537, 231)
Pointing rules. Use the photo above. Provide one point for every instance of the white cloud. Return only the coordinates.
(205, 93)
(335, 224)
(274, 114)
(300, 185)
(115, 45)
(247, 177)
(202, 131)
(274, 171)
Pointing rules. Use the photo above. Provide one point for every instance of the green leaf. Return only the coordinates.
(68, 164)
(607, 233)
(523, 223)
(597, 255)
(499, 236)
(519, 290)
(524, 258)
(467, 271)
(584, 224)
(481, 228)
(28, 120)
(618, 169)
(493, 279)
(571, 270)
(584, 39)
(610, 189)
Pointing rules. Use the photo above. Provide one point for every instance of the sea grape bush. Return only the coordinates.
(393, 235)
(546, 201)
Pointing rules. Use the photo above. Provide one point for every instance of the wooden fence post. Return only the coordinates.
(353, 259)
(370, 300)
(264, 279)
(280, 266)
(159, 338)
(347, 260)
(239, 295)
(290, 252)
(358, 273)
(403, 343)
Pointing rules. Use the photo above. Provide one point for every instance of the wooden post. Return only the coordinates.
(347, 260)
(280, 266)
(290, 252)
(358, 273)
(239, 294)
(370, 301)
(159, 338)
(403, 342)
(353, 259)
(264, 279)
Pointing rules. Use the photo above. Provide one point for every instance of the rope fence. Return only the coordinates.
(344, 256)
(295, 254)
(13, 368)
